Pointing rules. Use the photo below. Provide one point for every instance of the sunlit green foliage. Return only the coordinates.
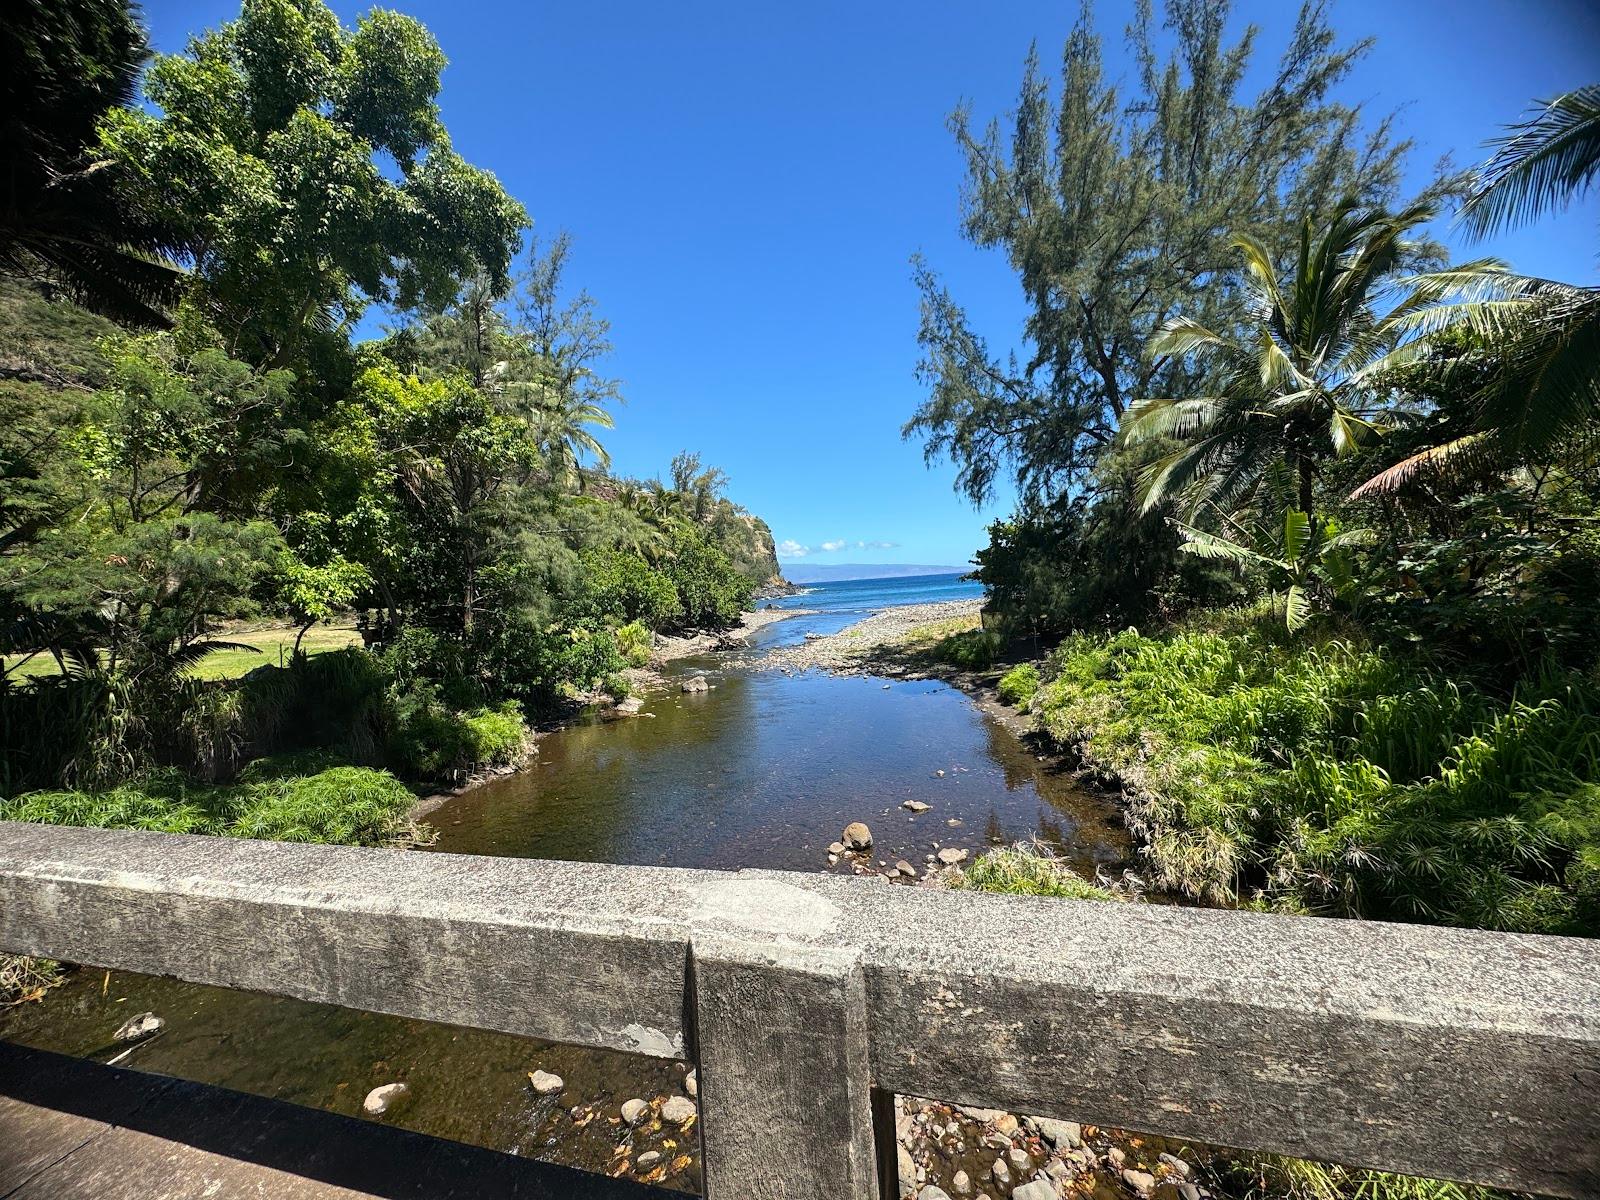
(346, 805)
(267, 147)
(1018, 685)
(1323, 774)
(1025, 870)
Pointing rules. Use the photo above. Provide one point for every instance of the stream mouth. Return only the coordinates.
(762, 769)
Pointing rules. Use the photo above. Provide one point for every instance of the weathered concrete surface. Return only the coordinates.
(781, 1034)
(1450, 1053)
(71, 1130)
(571, 952)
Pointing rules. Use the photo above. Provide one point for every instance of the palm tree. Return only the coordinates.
(562, 424)
(66, 216)
(1310, 554)
(1542, 335)
(1304, 382)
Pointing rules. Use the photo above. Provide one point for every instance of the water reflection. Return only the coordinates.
(763, 770)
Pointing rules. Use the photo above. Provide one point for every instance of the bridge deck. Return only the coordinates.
(74, 1130)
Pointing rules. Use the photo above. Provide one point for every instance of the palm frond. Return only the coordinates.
(1545, 162)
(1210, 546)
(1149, 419)
(1181, 336)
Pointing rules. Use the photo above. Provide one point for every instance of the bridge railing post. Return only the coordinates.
(785, 1078)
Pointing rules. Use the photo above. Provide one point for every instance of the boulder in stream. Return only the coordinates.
(546, 1083)
(136, 1029)
(677, 1109)
(696, 683)
(951, 855)
(383, 1099)
(916, 806)
(857, 836)
(634, 1111)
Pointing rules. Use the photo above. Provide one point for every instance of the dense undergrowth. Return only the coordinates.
(1322, 774)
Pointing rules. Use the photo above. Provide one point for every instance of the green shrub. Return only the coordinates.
(972, 650)
(621, 586)
(635, 644)
(1322, 775)
(1018, 685)
(711, 592)
(1026, 870)
(433, 741)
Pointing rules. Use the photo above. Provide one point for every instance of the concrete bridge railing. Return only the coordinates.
(807, 1002)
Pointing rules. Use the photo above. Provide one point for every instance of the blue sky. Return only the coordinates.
(745, 184)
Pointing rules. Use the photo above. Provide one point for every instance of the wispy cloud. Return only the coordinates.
(789, 548)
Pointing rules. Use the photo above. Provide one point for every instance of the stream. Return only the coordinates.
(762, 770)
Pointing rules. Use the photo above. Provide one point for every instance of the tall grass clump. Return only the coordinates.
(1017, 686)
(1322, 775)
(1273, 1177)
(353, 806)
(1027, 870)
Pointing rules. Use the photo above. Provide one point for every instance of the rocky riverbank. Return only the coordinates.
(861, 648)
(947, 1152)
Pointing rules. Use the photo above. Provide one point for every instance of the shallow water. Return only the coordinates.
(764, 770)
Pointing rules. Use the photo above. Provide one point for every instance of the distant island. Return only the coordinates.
(837, 572)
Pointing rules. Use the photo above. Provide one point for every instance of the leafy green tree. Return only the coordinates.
(266, 149)
(1303, 382)
(712, 594)
(1113, 208)
(67, 216)
(452, 458)
(700, 485)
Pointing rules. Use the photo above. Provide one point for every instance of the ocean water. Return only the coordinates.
(836, 604)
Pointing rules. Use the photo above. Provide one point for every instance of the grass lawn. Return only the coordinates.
(271, 648)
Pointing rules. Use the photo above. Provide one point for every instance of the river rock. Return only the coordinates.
(635, 1111)
(906, 1169)
(382, 1099)
(915, 805)
(136, 1029)
(1039, 1189)
(906, 868)
(933, 1192)
(648, 1157)
(1177, 1164)
(545, 1083)
(691, 1082)
(962, 1182)
(1002, 1173)
(835, 847)
(1020, 1159)
(950, 856)
(1188, 1190)
(696, 683)
(629, 707)
(1063, 1135)
(678, 1110)
(857, 836)
(1140, 1181)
